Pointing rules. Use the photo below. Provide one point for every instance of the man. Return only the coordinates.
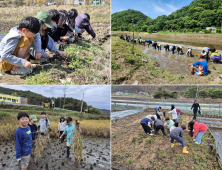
(202, 68)
(195, 109)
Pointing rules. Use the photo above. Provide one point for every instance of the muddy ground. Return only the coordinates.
(96, 155)
(177, 64)
(132, 149)
(68, 76)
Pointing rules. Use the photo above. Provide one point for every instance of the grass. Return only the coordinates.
(86, 63)
(128, 63)
(100, 13)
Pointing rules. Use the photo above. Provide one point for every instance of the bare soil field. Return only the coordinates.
(133, 150)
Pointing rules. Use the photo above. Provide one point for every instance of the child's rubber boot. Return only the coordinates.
(172, 145)
(185, 149)
(68, 151)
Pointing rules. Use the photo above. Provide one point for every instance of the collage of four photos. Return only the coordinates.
(110, 85)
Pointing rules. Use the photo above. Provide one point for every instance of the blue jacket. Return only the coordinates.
(202, 63)
(33, 129)
(157, 108)
(23, 142)
(145, 120)
(149, 41)
(69, 129)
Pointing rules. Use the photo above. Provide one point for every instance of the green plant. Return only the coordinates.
(116, 155)
(214, 67)
(114, 66)
(128, 162)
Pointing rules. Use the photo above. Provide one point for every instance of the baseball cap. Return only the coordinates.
(45, 17)
(33, 117)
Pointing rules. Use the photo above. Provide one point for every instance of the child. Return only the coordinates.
(162, 114)
(177, 134)
(199, 130)
(202, 66)
(33, 128)
(61, 128)
(69, 129)
(23, 140)
(149, 42)
(146, 124)
(169, 123)
(189, 52)
(83, 22)
(172, 48)
(47, 42)
(158, 124)
(173, 112)
(179, 49)
(54, 20)
(176, 124)
(62, 28)
(166, 47)
(178, 113)
(157, 108)
(44, 123)
(72, 14)
(15, 45)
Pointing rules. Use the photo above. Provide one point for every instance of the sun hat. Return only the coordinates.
(33, 117)
(45, 17)
(203, 53)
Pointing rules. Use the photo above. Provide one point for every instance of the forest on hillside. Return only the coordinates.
(194, 17)
(68, 103)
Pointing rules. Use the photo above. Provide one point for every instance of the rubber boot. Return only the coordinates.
(172, 145)
(68, 152)
(185, 150)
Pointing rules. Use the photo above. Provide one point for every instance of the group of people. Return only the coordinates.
(198, 68)
(34, 35)
(27, 132)
(155, 122)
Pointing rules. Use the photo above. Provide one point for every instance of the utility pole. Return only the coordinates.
(82, 102)
(133, 35)
(60, 102)
(64, 96)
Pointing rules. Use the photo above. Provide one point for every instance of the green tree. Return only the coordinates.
(190, 92)
(203, 93)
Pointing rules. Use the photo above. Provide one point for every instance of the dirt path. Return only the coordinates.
(131, 149)
(96, 152)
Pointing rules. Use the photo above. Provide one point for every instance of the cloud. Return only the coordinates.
(97, 96)
(160, 10)
(171, 7)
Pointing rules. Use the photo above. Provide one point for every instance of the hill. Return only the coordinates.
(194, 17)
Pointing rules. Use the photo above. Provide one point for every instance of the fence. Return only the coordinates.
(208, 109)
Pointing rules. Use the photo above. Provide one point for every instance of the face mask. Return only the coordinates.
(54, 24)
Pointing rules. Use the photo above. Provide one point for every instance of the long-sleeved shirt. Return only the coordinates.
(169, 124)
(69, 129)
(33, 129)
(149, 116)
(157, 108)
(177, 131)
(161, 114)
(61, 32)
(202, 63)
(23, 142)
(51, 46)
(195, 106)
(158, 122)
(82, 22)
(146, 121)
(174, 113)
(199, 127)
(62, 126)
(44, 124)
(9, 44)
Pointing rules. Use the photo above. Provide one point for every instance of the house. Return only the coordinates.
(12, 99)
(78, 2)
(214, 30)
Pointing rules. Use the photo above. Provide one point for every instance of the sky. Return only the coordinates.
(98, 96)
(151, 8)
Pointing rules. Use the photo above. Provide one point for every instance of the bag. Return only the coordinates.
(199, 112)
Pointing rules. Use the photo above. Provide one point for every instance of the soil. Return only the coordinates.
(96, 155)
(102, 30)
(129, 152)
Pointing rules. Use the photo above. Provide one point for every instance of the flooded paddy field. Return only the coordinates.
(96, 156)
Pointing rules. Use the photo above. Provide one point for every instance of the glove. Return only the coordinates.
(60, 137)
(19, 160)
